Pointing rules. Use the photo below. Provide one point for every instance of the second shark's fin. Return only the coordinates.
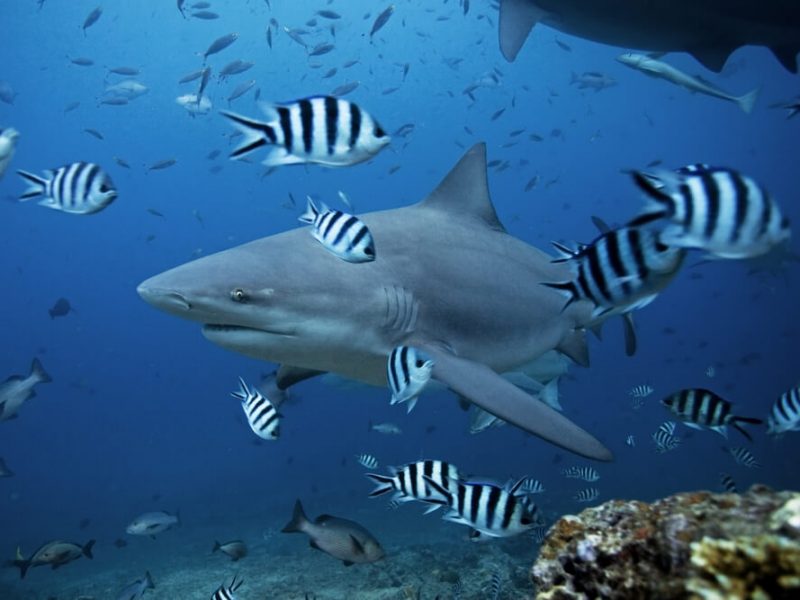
(517, 18)
(492, 393)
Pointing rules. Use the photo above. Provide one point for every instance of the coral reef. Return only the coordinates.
(691, 545)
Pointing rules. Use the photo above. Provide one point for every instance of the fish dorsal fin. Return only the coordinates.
(465, 189)
(322, 519)
(517, 18)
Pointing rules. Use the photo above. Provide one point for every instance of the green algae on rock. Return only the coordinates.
(690, 545)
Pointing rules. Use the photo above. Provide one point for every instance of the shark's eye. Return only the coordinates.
(238, 295)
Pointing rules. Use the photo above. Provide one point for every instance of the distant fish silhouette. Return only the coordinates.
(61, 308)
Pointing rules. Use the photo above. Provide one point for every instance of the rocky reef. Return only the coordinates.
(691, 545)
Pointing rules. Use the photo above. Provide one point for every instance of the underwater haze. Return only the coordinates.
(139, 415)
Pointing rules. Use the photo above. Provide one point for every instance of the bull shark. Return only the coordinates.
(447, 279)
(709, 30)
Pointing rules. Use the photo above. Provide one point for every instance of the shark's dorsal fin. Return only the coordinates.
(465, 189)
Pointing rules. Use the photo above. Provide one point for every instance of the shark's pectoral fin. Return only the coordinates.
(491, 392)
(517, 18)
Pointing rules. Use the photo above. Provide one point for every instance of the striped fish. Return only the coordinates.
(715, 209)
(664, 437)
(586, 473)
(630, 441)
(641, 391)
(227, 593)
(79, 189)
(587, 495)
(341, 234)
(495, 585)
(785, 413)
(622, 270)
(261, 414)
(531, 486)
(743, 457)
(322, 129)
(408, 371)
(367, 461)
(700, 408)
(728, 484)
(409, 481)
(490, 510)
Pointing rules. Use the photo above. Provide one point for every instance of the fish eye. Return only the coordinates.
(379, 132)
(238, 295)
(369, 251)
(420, 363)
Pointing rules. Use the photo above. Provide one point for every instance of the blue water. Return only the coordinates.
(140, 406)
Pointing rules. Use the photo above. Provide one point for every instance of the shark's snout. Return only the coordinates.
(167, 300)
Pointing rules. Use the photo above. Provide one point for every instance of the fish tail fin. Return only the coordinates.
(178, 522)
(216, 547)
(310, 215)
(243, 392)
(748, 101)
(149, 585)
(38, 371)
(298, 520)
(385, 484)
(446, 496)
(87, 549)
(37, 186)
(256, 134)
(22, 565)
(565, 252)
(752, 420)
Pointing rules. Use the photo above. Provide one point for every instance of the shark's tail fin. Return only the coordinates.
(37, 186)
(748, 101)
(37, 370)
(87, 549)
(256, 134)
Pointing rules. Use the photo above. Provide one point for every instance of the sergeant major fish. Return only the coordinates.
(488, 509)
(340, 538)
(321, 129)
(409, 370)
(589, 474)
(54, 554)
(16, 390)
(227, 592)
(700, 408)
(715, 209)
(743, 457)
(385, 428)
(342, 234)
(153, 523)
(261, 414)
(79, 189)
(587, 495)
(785, 413)
(409, 481)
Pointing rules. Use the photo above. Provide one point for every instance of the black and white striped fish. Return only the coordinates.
(321, 129)
(785, 413)
(586, 473)
(79, 189)
(630, 441)
(622, 270)
(587, 495)
(408, 371)
(227, 592)
(728, 484)
(700, 409)
(341, 234)
(495, 585)
(409, 481)
(715, 209)
(531, 486)
(641, 391)
(490, 510)
(262, 416)
(743, 457)
(664, 437)
(367, 461)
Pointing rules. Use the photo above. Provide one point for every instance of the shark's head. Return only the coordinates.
(632, 59)
(237, 296)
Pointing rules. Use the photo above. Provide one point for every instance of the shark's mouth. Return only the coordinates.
(216, 329)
